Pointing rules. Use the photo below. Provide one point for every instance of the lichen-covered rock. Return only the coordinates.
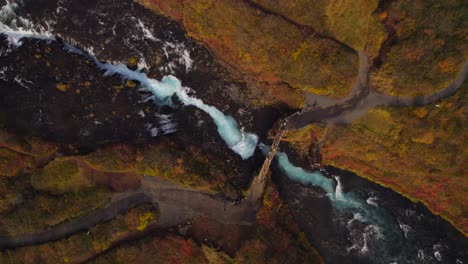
(302, 140)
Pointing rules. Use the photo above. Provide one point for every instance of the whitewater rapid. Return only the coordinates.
(239, 141)
(377, 219)
(242, 143)
(371, 231)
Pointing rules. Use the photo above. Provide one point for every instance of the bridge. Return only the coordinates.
(271, 154)
(258, 184)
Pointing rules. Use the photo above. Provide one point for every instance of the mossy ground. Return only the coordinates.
(59, 176)
(85, 245)
(302, 140)
(121, 167)
(43, 210)
(429, 50)
(277, 239)
(21, 155)
(353, 22)
(419, 152)
(280, 56)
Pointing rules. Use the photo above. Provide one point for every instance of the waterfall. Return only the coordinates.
(380, 232)
(339, 189)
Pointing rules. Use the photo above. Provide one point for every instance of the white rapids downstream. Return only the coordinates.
(380, 232)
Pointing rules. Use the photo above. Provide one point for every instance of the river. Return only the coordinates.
(349, 219)
(352, 220)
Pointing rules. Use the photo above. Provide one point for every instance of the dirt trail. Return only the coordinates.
(389, 100)
(319, 108)
(114, 208)
(176, 204)
(375, 99)
(361, 99)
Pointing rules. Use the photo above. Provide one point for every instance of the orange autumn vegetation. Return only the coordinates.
(85, 245)
(277, 239)
(419, 152)
(302, 140)
(430, 46)
(280, 56)
(159, 249)
(44, 211)
(121, 167)
(353, 22)
(17, 157)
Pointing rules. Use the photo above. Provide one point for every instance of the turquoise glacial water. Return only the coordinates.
(381, 235)
(239, 141)
(242, 143)
(305, 177)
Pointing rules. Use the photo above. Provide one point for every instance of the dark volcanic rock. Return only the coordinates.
(64, 97)
(345, 236)
(127, 32)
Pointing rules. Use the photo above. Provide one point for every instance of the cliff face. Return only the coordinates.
(414, 47)
(274, 51)
(278, 55)
(419, 152)
(417, 47)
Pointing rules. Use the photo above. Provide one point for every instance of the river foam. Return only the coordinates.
(376, 230)
(239, 141)
(16, 27)
(378, 233)
(242, 143)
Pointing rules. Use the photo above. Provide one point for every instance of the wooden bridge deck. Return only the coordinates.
(274, 147)
(258, 184)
